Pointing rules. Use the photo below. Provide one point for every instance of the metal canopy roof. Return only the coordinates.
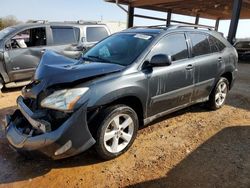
(212, 9)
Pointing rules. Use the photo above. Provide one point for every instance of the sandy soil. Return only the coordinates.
(191, 148)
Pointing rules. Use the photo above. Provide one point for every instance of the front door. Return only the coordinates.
(171, 86)
(23, 53)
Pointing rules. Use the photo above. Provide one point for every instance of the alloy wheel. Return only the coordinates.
(118, 133)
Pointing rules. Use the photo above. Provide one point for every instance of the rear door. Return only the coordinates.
(65, 40)
(207, 60)
(23, 52)
(171, 86)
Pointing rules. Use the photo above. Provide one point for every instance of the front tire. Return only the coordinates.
(117, 131)
(219, 94)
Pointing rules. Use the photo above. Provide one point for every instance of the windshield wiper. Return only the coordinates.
(99, 59)
(86, 58)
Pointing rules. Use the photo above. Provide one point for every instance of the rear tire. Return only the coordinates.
(219, 94)
(117, 131)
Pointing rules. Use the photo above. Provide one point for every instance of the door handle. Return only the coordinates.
(16, 68)
(220, 59)
(189, 67)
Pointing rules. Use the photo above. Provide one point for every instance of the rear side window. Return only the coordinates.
(65, 35)
(200, 44)
(95, 34)
(220, 45)
(215, 44)
(174, 45)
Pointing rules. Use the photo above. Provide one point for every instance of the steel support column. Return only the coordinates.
(169, 17)
(217, 23)
(234, 20)
(130, 20)
(197, 19)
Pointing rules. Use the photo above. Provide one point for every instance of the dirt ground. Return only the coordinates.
(191, 148)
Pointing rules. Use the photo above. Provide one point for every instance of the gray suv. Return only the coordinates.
(22, 46)
(124, 82)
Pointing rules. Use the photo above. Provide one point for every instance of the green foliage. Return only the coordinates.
(8, 21)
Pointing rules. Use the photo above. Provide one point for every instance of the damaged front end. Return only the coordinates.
(31, 131)
(52, 111)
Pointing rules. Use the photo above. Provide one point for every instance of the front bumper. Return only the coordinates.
(74, 131)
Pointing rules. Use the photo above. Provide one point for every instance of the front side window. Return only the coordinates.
(174, 45)
(64, 35)
(95, 34)
(200, 44)
(122, 48)
(28, 38)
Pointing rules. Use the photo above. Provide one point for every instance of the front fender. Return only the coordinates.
(127, 86)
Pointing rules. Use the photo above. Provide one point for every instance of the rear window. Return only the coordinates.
(200, 44)
(95, 34)
(65, 35)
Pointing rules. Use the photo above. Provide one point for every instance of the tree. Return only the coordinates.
(8, 21)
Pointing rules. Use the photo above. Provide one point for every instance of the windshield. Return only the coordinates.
(6, 31)
(122, 48)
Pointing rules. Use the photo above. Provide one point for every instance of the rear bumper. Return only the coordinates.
(73, 134)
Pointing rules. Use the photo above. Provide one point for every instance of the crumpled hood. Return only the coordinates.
(54, 69)
(57, 69)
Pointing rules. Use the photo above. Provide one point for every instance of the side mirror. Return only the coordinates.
(160, 60)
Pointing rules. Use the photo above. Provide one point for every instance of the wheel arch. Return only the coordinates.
(134, 103)
(131, 101)
(229, 77)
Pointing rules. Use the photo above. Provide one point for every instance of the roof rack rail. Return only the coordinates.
(150, 26)
(39, 21)
(83, 22)
(195, 26)
(164, 27)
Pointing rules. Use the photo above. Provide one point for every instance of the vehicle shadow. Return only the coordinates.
(9, 90)
(222, 161)
(15, 167)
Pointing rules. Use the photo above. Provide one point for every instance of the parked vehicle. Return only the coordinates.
(124, 82)
(22, 46)
(243, 48)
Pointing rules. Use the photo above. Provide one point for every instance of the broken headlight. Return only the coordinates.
(63, 100)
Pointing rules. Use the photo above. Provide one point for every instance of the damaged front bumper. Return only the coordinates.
(71, 138)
